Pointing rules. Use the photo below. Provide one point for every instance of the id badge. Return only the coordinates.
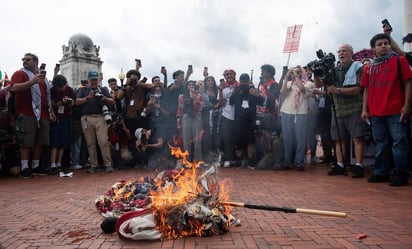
(60, 110)
(322, 102)
(245, 104)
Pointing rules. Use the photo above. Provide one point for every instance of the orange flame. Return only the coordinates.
(171, 199)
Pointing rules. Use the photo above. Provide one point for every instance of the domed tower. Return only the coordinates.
(79, 57)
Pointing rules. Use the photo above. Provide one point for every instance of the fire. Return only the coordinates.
(188, 203)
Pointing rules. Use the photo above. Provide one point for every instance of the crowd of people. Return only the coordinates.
(231, 123)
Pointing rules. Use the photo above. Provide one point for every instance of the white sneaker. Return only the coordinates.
(226, 164)
(77, 167)
(62, 174)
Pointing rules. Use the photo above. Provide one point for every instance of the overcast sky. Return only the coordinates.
(220, 34)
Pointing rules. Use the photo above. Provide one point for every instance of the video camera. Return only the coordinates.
(324, 68)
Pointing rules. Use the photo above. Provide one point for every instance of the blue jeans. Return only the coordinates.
(294, 138)
(392, 144)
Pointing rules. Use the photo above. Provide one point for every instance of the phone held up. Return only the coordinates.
(385, 22)
(42, 68)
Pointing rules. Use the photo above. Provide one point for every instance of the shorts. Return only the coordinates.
(61, 134)
(352, 126)
(29, 132)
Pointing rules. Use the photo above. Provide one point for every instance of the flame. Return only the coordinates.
(185, 189)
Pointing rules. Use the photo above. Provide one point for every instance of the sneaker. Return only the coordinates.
(77, 166)
(54, 170)
(327, 160)
(398, 178)
(26, 173)
(69, 174)
(109, 169)
(378, 178)
(357, 172)
(92, 170)
(337, 170)
(40, 172)
(226, 164)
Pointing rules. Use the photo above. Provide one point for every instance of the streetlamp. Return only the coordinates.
(122, 76)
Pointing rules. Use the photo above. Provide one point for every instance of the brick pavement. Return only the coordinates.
(53, 212)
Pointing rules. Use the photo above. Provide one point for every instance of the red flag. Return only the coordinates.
(292, 39)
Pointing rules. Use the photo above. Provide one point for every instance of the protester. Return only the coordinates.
(189, 112)
(245, 99)
(228, 116)
(293, 114)
(62, 96)
(33, 111)
(386, 101)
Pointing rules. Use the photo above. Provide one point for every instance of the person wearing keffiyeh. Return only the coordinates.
(33, 111)
(293, 116)
(386, 103)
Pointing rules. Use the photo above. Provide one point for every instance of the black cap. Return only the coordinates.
(244, 78)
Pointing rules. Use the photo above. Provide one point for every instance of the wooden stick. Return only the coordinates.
(285, 209)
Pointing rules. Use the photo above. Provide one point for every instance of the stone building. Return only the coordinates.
(79, 57)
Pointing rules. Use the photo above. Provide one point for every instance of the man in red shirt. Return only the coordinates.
(33, 112)
(386, 100)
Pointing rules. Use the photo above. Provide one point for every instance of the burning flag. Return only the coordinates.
(175, 204)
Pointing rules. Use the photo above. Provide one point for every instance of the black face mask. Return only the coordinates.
(243, 89)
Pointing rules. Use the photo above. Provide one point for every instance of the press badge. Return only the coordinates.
(245, 104)
(60, 110)
(322, 102)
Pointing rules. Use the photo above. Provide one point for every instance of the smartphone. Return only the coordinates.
(163, 68)
(222, 81)
(190, 67)
(57, 65)
(144, 80)
(42, 68)
(138, 62)
(386, 22)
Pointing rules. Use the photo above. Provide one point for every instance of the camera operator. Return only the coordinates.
(245, 99)
(92, 99)
(150, 144)
(119, 137)
(346, 123)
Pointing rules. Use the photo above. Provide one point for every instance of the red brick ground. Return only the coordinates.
(53, 212)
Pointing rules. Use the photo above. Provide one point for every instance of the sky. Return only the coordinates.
(220, 34)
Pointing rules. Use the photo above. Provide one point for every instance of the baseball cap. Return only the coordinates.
(93, 75)
(244, 78)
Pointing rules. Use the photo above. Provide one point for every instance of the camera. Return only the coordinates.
(118, 124)
(97, 93)
(324, 68)
(143, 138)
(106, 114)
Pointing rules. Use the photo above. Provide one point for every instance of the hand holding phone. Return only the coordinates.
(386, 25)
(205, 72)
